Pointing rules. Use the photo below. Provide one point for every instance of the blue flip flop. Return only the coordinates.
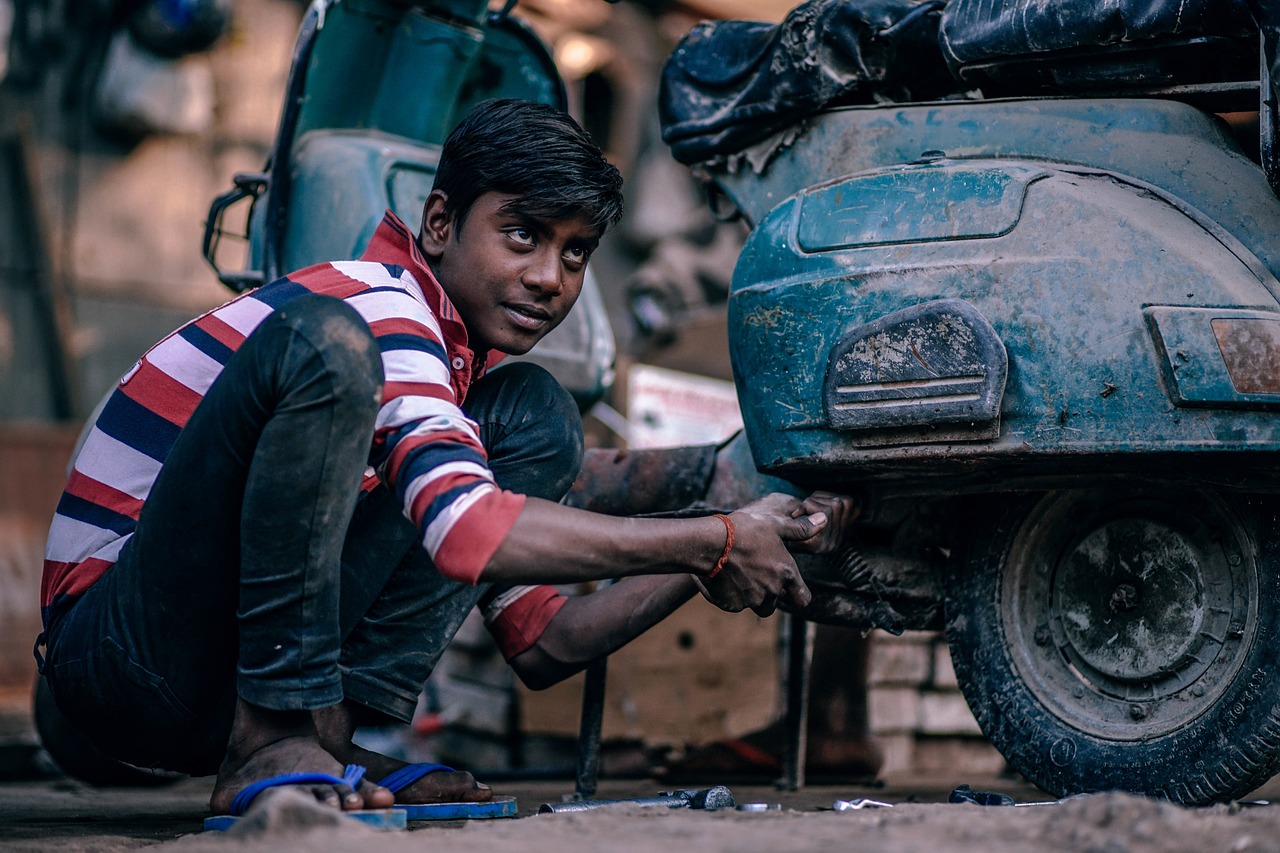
(410, 773)
(380, 818)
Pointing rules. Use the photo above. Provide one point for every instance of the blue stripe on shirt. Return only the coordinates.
(426, 457)
(279, 292)
(131, 423)
(90, 513)
(206, 343)
(406, 341)
(441, 501)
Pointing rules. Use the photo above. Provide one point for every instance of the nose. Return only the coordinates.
(544, 273)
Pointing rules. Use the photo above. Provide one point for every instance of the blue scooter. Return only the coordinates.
(1029, 308)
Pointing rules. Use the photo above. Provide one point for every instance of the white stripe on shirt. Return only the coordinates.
(428, 477)
(392, 306)
(411, 365)
(114, 463)
(439, 528)
(437, 415)
(185, 364)
(244, 314)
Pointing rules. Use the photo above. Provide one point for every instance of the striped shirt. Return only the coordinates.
(423, 446)
(516, 616)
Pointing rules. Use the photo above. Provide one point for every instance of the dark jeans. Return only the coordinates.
(254, 571)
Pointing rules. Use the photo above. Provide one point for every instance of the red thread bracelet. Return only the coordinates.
(728, 545)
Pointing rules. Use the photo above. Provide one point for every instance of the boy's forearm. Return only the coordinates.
(591, 626)
(551, 543)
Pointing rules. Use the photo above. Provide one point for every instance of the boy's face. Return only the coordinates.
(512, 277)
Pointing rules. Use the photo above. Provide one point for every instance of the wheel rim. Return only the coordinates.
(1129, 613)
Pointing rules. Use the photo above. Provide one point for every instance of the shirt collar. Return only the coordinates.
(394, 243)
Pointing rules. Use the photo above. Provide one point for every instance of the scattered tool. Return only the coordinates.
(965, 794)
(860, 803)
(717, 797)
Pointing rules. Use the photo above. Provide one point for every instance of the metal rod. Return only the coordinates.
(589, 729)
(800, 634)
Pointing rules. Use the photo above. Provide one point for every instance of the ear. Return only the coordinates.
(437, 224)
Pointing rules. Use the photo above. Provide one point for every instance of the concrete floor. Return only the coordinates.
(63, 815)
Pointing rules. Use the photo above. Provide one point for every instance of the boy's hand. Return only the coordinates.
(760, 570)
(841, 511)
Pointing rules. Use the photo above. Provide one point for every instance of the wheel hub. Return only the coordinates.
(1131, 602)
(1128, 612)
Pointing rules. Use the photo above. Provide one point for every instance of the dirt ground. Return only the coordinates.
(65, 816)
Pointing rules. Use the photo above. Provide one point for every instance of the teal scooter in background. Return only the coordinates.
(374, 88)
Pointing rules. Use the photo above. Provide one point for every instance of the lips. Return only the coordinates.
(531, 317)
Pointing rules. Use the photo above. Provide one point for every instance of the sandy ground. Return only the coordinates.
(61, 815)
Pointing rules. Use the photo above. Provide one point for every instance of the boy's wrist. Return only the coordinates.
(723, 560)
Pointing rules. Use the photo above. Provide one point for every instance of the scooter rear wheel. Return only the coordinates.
(1125, 639)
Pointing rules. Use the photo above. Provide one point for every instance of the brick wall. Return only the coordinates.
(917, 713)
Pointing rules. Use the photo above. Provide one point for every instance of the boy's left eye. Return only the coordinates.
(576, 254)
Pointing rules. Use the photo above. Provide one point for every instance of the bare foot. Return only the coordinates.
(336, 726)
(267, 743)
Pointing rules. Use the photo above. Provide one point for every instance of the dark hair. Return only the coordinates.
(534, 152)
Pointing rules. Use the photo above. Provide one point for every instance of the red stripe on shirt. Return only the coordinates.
(398, 453)
(220, 331)
(160, 393)
(329, 281)
(70, 578)
(392, 390)
(438, 487)
(403, 326)
(100, 494)
(475, 536)
(519, 625)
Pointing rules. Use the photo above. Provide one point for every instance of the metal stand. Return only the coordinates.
(589, 730)
(799, 657)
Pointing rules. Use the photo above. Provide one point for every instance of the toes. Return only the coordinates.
(350, 799)
(376, 796)
(457, 786)
(482, 792)
(469, 790)
(326, 795)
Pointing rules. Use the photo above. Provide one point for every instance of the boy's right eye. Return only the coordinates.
(523, 236)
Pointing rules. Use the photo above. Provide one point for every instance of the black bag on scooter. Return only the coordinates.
(1020, 46)
(732, 83)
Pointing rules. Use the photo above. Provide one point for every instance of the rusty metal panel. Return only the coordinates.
(937, 364)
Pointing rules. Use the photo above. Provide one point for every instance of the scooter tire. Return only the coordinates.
(1193, 717)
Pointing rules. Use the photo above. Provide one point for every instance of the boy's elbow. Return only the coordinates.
(538, 670)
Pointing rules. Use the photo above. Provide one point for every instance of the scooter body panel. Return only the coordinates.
(1125, 309)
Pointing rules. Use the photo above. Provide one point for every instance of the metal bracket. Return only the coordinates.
(1267, 108)
(250, 185)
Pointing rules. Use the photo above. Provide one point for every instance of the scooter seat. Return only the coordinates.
(1090, 46)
